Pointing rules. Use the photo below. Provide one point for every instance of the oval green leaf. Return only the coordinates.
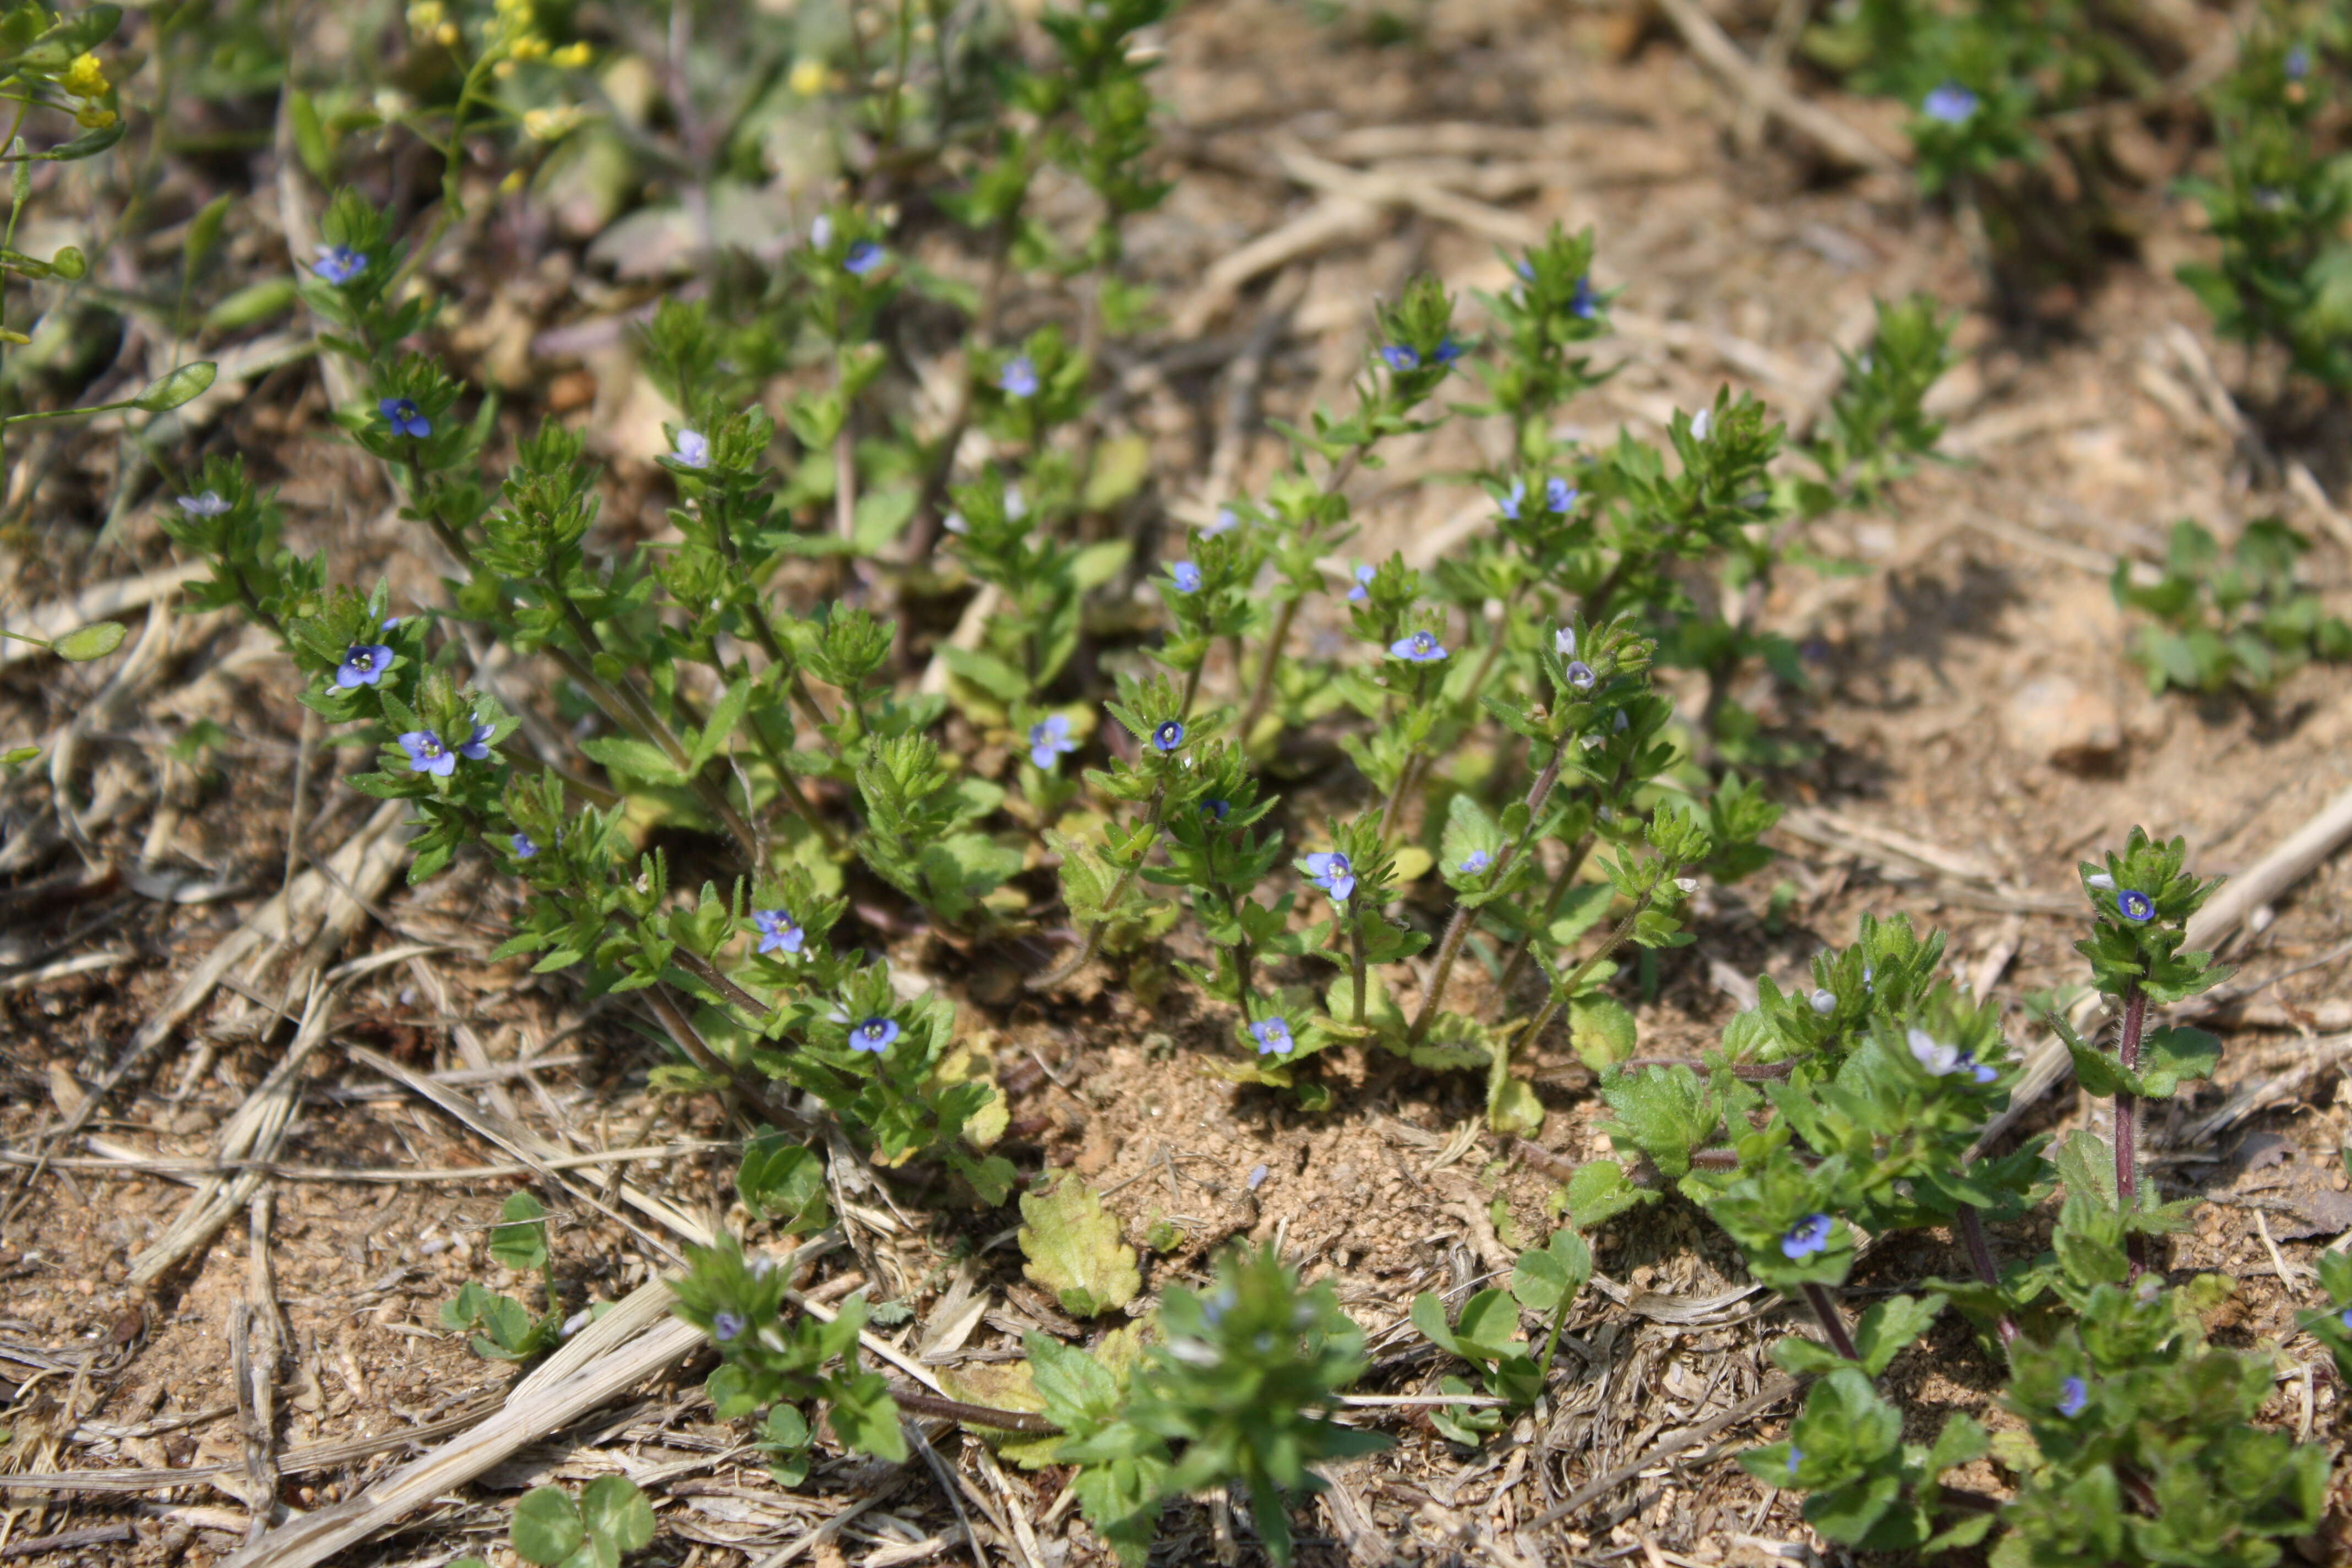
(546, 1528)
(180, 387)
(95, 640)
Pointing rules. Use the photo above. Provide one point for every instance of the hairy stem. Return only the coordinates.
(1356, 956)
(1093, 944)
(2128, 1124)
(1458, 929)
(1972, 1232)
(1576, 976)
(1261, 693)
(1825, 1308)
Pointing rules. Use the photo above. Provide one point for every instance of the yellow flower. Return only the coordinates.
(550, 124)
(571, 57)
(86, 77)
(808, 78)
(426, 18)
(95, 118)
(529, 46)
(511, 183)
(445, 35)
(503, 69)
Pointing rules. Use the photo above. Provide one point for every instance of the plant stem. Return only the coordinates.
(1568, 987)
(1971, 1227)
(1192, 689)
(2128, 1124)
(1093, 944)
(1825, 1308)
(681, 1029)
(1458, 929)
(1356, 955)
(1558, 890)
(1264, 690)
(1551, 1340)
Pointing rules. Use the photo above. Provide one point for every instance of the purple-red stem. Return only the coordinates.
(2127, 1125)
(1825, 1308)
(1972, 1232)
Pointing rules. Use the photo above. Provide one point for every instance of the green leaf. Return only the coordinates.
(1601, 1030)
(1580, 912)
(783, 1183)
(252, 305)
(546, 1528)
(204, 232)
(866, 1417)
(616, 1514)
(1547, 1276)
(1120, 466)
(1601, 1191)
(95, 640)
(1097, 564)
(311, 142)
(1892, 1324)
(2174, 1055)
(89, 145)
(178, 387)
(1074, 1250)
(987, 671)
(631, 757)
(519, 1239)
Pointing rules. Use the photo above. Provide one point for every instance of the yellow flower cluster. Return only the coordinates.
(84, 80)
(513, 37)
(429, 23)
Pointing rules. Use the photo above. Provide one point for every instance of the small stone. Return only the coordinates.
(2053, 718)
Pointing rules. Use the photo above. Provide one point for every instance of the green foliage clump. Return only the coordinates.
(2230, 619)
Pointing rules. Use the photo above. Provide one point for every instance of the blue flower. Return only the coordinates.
(863, 257)
(2136, 907)
(1580, 675)
(1363, 588)
(426, 754)
(1273, 1036)
(1169, 735)
(2072, 1395)
(1796, 1458)
(1400, 357)
(1510, 503)
(2345, 1317)
(1187, 575)
(1807, 1237)
(1331, 872)
(1215, 809)
(339, 264)
(1525, 269)
(2298, 62)
(205, 503)
(1226, 521)
(363, 665)
(1559, 495)
(1421, 647)
(404, 417)
(779, 932)
(1950, 104)
(477, 745)
(1049, 737)
(1257, 1176)
(693, 449)
(522, 845)
(1476, 861)
(1446, 351)
(1018, 378)
(1933, 1054)
(1977, 1070)
(725, 1326)
(1581, 304)
(1825, 1001)
(874, 1035)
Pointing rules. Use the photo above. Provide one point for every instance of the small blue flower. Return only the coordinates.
(1169, 735)
(426, 754)
(1581, 304)
(1331, 872)
(1825, 1002)
(1018, 378)
(477, 745)
(863, 257)
(1559, 495)
(1187, 575)
(1807, 1237)
(2072, 1395)
(207, 503)
(1525, 269)
(725, 1326)
(779, 932)
(1580, 675)
(1977, 1070)
(522, 845)
(1401, 357)
(2345, 1317)
(1273, 1036)
(874, 1035)
(1510, 503)
(1421, 647)
(1446, 351)
(1215, 809)
(363, 665)
(1476, 862)
(1363, 588)
(339, 264)
(1950, 104)
(2136, 907)
(1796, 1458)
(693, 449)
(1257, 1176)
(2298, 62)
(1226, 521)
(1049, 737)
(404, 417)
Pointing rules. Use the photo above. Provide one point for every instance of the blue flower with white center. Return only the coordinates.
(1809, 1235)
(1330, 871)
(2135, 906)
(1401, 357)
(1018, 378)
(1169, 735)
(1476, 862)
(2072, 1395)
(477, 745)
(404, 417)
(2298, 62)
(874, 1035)
(1580, 675)
(1932, 1054)
(1581, 304)
(426, 754)
(1950, 104)
(205, 503)
(1049, 737)
(522, 845)
(1559, 495)
(339, 264)
(779, 932)
(1825, 1001)
(693, 449)
(1363, 588)
(1421, 647)
(1796, 1458)
(725, 1326)
(1273, 1036)
(1187, 576)
(863, 258)
(1446, 351)
(363, 665)
(1215, 809)
(1510, 503)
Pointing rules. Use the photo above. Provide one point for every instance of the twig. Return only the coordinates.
(1826, 130)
